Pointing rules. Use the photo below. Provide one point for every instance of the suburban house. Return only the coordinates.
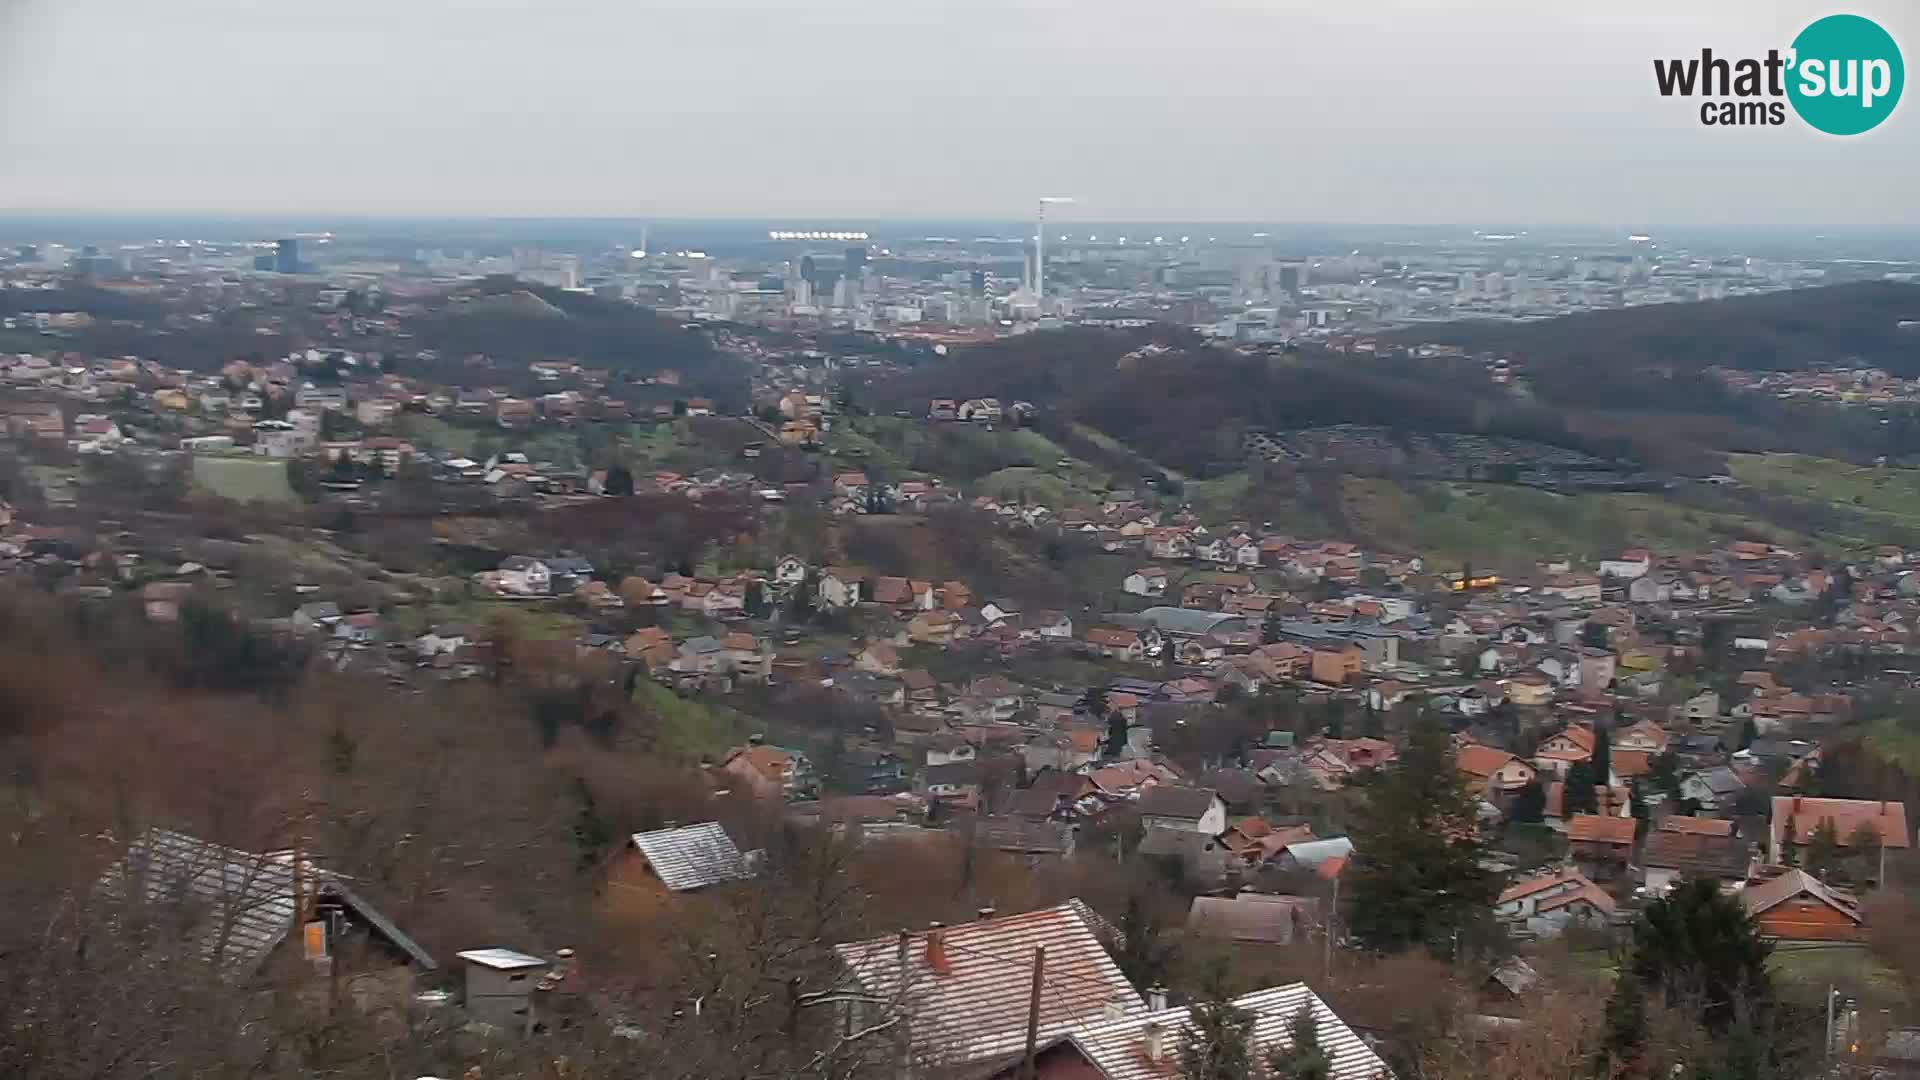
(1115, 643)
(524, 575)
(1148, 1046)
(1491, 770)
(1146, 581)
(963, 999)
(270, 912)
(1189, 809)
(1797, 818)
(1546, 904)
(1672, 854)
(1601, 845)
(1253, 918)
(1797, 907)
(1563, 749)
(769, 772)
(684, 859)
(840, 587)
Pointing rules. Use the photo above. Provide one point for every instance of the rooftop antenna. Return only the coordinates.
(1040, 247)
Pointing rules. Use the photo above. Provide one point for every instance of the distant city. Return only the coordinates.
(974, 280)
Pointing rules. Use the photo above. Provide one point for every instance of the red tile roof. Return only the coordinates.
(1592, 828)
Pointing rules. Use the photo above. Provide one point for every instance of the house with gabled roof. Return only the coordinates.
(1547, 903)
(959, 993)
(676, 860)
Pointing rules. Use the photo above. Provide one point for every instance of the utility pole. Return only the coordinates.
(1333, 911)
(1027, 1067)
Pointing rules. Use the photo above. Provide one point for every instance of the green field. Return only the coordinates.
(244, 479)
(1491, 523)
(1870, 504)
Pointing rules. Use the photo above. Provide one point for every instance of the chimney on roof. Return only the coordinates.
(1796, 802)
(1154, 1047)
(985, 913)
(937, 961)
(756, 740)
(1157, 998)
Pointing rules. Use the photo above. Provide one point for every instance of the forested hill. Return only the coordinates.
(1802, 328)
(1618, 383)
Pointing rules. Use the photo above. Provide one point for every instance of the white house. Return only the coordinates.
(791, 570)
(1546, 905)
(525, 575)
(1146, 581)
(1187, 809)
(1632, 563)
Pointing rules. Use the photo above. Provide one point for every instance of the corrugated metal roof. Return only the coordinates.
(1119, 1047)
(246, 900)
(976, 1002)
(693, 856)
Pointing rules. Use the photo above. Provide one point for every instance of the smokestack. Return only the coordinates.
(1154, 1048)
(900, 953)
(984, 914)
(937, 961)
(1157, 998)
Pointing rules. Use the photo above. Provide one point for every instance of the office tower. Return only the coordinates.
(286, 256)
(979, 282)
(856, 259)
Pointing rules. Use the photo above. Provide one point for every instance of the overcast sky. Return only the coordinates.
(1534, 111)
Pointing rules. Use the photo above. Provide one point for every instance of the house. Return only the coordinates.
(932, 628)
(954, 781)
(1563, 749)
(878, 658)
(993, 698)
(790, 571)
(1146, 581)
(1337, 664)
(359, 628)
(441, 640)
(840, 587)
(1492, 770)
(1148, 1046)
(1601, 844)
(769, 772)
(1796, 818)
(253, 911)
(1171, 806)
(1323, 857)
(1702, 706)
(1632, 563)
(684, 859)
(1050, 626)
(1253, 918)
(1529, 689)
(1644, 737)
(524, 575)
(1546, 904)
(1116, 644)
(1672, 854)
(1797, 907)
(963, 1000)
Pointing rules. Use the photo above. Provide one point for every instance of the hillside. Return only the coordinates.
(1622, 384)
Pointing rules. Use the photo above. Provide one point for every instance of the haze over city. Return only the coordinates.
(1228, 110)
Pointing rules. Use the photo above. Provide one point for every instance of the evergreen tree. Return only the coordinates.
(1142, 953)
(1823, 849)
(1219, 1044)
(1094, 701)
(1305, 1059)
(1623, 1032)
(1530, 803)
(591, 833)
(1416, 870)
(1699, 946)
(1270, 629)
(1116, 733)
(1578, 794)
(619, 480)
(1602, 755)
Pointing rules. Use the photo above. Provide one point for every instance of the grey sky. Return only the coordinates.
(1357, 110)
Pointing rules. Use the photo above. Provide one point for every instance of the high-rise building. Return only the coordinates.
(286, 256)
(808, 273)
(856, 259)
(979, 282)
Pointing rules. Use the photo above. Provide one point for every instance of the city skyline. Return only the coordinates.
(1382, 113)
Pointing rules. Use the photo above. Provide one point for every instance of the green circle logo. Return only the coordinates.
(1846, 75)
